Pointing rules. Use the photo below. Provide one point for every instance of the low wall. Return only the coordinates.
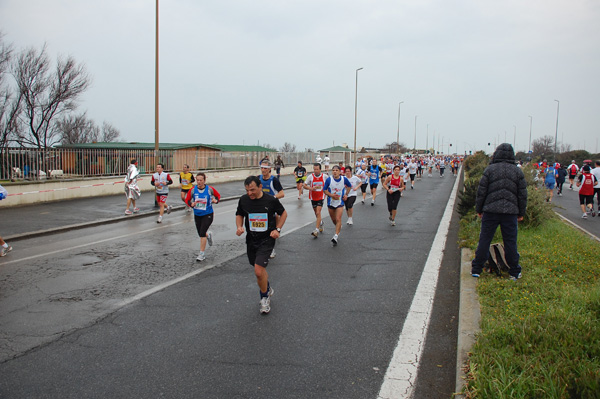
(25, 193)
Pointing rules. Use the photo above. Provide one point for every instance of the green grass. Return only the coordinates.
(540, 336)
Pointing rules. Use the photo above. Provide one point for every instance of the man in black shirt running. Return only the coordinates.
(256, 211)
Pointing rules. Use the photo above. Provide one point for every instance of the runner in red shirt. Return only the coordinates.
(314, 184)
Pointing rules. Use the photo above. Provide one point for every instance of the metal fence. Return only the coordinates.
(18, 163)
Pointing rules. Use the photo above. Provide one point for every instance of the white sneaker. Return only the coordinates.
(393, 223)
(334, 239)
(272, 254)
(584, 216)
(5, 251)
(209, 238)
(169, 209)
(159, 220)
(265, 305)
(201, 257)
(350, 221)
(363, 201)
(315, 233)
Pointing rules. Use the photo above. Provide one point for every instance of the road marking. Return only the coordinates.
(577, 226)
(401, 375)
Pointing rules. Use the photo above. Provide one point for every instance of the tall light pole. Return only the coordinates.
(415, 142)
(427, 138)
(355, 109)
(398, 133)
(156, 94)
(556, 134)
(530, 123)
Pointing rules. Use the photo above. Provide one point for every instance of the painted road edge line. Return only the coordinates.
(401, 374)
(577, 226)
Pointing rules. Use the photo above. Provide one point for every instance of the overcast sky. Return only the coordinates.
(271, 71)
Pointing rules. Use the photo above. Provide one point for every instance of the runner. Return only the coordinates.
(394, 185)
(362, 174)
(300, 175)
(326, 163)
(412, 172)
(442, 167)
(161, 182)
(132, 190)
(200, 199)
(350, 198)
(256, 211)
(430, 167)
(373, 173)
(419, 168)
(549, 181)
(572, 169)
(335, 189)
(186, 179)
(270, 185)
(587, 182)
(561, 174)
(314, 184)
(596, 173)
(278, 165)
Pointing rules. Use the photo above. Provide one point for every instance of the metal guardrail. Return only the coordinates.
(21, 163)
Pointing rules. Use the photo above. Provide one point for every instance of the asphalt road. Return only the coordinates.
(568, 206)
(123, 310)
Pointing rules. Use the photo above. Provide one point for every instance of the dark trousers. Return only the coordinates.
(509, 229)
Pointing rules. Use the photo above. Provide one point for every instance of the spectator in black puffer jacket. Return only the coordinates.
(501, 201)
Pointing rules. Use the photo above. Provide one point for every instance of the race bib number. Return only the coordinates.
(185, 182)
(394, 188)
(318, 186)
(259, 222)
(201, 204)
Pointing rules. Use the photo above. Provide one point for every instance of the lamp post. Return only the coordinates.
(355, 109)
(398, 133)
(415, 142)
(156, 94)
(556, 134)
(530, 123)
(427, 138)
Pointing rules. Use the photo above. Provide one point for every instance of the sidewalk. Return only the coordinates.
(46, 218)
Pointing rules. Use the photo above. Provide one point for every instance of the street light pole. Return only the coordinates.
(355, 110)
(156, 95)
(530, 123)
(556, 134)
(398, 133)
(415, 142)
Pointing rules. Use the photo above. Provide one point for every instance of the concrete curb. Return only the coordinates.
(469, 317)
(93, 223)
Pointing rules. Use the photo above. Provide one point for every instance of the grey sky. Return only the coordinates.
(234, 72)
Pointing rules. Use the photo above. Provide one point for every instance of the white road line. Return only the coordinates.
(401, 375)
(578, 226)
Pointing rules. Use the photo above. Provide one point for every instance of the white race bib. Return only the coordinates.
(258, 222)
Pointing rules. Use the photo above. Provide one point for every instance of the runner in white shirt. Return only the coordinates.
(351, 196)
(364, 179)
(334, 189)
(412, 171)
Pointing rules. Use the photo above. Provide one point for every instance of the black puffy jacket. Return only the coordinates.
(502, 188)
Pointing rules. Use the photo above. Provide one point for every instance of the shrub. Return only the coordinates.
(467, 197)
(538, 210)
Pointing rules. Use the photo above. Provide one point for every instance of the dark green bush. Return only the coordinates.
(466, 198)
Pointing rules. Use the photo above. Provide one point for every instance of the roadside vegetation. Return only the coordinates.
(540, 336)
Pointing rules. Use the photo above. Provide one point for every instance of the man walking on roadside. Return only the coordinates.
(256, 211)
(501, 201)
(132, 190)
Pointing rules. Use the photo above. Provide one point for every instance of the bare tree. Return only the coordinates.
(46, 95)
(76, 129)
(109, 133)
(543, 146)
(395, 147)
(288, 147)
(10, 103)
(269, 146)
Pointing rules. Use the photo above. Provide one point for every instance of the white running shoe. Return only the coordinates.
(128, 212)
(136, 210)
(584, 216)
(169, 209)
(393, 223)
(363, 201)
(334, 239)
(350, 221)
(201, 257)
(272, 254)
(159, 220)
(5, 251)
(209, 238)
(315, 233)
(265, 305)
(372, 202)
